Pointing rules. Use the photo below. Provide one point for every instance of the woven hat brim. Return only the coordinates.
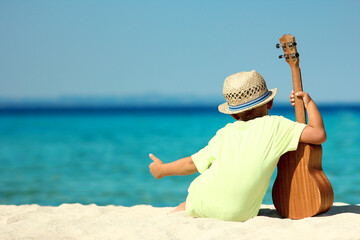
(224, 108)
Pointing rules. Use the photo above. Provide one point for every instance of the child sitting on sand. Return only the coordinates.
(237, 164)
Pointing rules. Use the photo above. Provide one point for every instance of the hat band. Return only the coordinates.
(250, 103)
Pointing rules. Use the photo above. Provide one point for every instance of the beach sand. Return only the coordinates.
(76, 221)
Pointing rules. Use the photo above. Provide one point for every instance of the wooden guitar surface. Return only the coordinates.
(301, 188)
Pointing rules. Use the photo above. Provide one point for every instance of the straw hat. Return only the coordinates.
(244, 91)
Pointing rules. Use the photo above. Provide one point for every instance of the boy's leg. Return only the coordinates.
(181, 207)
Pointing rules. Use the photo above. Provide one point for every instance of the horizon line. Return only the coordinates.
(127, 106)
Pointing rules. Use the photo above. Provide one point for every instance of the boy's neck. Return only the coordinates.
(248, 118)
(252, 114)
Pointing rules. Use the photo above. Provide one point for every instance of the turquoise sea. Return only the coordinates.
(54, 156)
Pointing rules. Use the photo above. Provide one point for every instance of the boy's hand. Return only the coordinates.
(305, 97)
(156, 167)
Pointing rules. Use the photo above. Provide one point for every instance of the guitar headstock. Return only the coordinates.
(288, 44)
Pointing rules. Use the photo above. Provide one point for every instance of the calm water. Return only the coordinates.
(101, 156)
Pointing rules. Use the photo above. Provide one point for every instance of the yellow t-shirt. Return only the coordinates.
(236, 167)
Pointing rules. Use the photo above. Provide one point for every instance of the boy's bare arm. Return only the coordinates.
(184, 166)
(314, 132)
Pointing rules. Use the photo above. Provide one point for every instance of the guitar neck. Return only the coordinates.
(288, 44)
(299, 104)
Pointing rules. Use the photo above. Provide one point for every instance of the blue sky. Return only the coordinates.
(51, 49)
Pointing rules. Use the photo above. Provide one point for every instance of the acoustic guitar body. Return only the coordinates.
(301, 188)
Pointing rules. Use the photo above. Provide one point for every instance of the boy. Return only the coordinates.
(237, 164)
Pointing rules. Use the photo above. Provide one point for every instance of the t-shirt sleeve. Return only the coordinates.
(288, 135)
(204, 158)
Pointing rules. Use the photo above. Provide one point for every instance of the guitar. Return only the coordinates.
(301, 188)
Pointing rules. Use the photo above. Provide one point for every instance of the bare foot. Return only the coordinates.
(179, 208)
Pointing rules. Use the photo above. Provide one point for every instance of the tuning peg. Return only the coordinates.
(278, 45)
(286, 56)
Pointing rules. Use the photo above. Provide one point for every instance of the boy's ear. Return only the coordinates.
(270, 104)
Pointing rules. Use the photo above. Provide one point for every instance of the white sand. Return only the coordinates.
(76, 221)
